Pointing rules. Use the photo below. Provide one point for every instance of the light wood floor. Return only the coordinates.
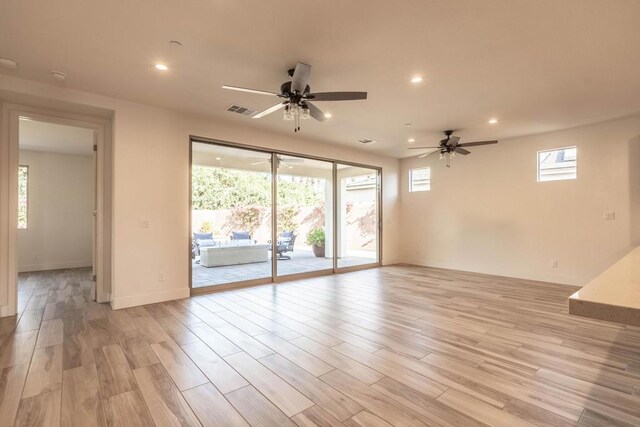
(392, 346)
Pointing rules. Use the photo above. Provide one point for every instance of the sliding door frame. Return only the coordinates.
(274, 217)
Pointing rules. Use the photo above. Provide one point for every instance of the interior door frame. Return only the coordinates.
(11, 114)
(274, 230)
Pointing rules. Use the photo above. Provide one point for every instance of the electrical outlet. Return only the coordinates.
(554, 263)
(609, 216)
(144, 223)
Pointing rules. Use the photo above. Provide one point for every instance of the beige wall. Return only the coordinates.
(60, 205)
(488, 214)
(151, 181)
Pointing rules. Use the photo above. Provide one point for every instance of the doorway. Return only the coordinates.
(261, 216)
(57, 204)
(56, 199)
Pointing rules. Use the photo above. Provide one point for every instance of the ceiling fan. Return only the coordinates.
(450, 145)
(297, 97)
(281, 161)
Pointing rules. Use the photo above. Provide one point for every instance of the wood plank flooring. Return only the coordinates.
(403, 346)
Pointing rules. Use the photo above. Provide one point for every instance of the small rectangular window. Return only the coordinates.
(420, 179)
(558, 164)
(23, 196)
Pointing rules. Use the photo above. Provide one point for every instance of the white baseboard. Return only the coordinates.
(525, 275)
(5, 311)
(53, 266)
(150, 298)
(106, 297)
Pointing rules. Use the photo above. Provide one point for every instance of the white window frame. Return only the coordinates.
(427, 184)
(538, 174)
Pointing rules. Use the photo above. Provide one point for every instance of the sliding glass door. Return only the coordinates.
(357, 215)
(231, 202)
(257, 216)
(305, 215)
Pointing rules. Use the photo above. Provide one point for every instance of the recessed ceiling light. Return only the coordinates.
(328, 115)
(161, 67)
(290, 167)
(8, 63)
(411, 140)
(218, 158)
(407, 124)
(58, 75)
(493, 121)
(416, 79)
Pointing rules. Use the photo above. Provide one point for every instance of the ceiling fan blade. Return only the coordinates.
(337, 96)
(270, 110)
(420, 148)
(462, 151)
(453, 140)
(300, 77)
(471, 144)
(316, 113)
(256, 91)
(292, 160)
(260, 163)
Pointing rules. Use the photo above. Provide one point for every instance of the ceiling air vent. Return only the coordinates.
(367, 141)
(241, 110)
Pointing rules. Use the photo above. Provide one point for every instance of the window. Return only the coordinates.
(23, 196)
(420, 179)
(556, 165)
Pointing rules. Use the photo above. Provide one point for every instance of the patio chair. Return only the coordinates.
(285, 243)
(200, 240)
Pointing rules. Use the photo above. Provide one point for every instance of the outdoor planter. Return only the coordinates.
(318, 251)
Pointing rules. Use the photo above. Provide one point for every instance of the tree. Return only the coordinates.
(219, 188)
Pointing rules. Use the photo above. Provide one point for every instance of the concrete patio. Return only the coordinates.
(301, 261)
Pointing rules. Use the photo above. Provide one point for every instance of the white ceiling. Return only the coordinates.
(536, 65)
(54, 138)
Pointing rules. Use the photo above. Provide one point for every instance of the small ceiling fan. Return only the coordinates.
(297, 97)
(450, 145)
(282, 161)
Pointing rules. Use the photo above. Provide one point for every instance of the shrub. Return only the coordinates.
(287, 218)
(247, 218)
(205, 227)
(316, 237)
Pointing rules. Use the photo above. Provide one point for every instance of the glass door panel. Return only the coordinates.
(231, 202)
(304, 215)
(357, 215)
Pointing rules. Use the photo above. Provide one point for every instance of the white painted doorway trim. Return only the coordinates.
(10, 141)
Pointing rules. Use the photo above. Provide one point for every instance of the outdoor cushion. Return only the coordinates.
(203, 243)
(240, 235)
(202, 236)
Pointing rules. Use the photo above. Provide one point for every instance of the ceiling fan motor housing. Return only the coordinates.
(285, 89)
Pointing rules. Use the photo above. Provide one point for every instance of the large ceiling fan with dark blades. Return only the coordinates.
(297, 97)
(450, 146)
